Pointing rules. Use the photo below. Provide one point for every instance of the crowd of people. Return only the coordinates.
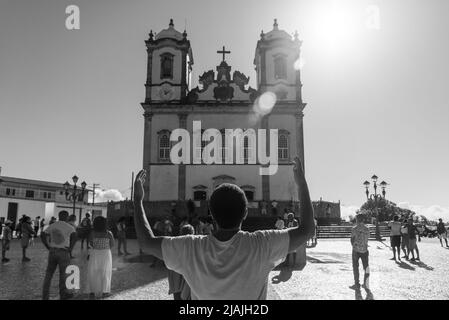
(200, 266)
(60, 237)
(403, 235)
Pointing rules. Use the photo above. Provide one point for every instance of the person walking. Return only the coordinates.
(291, 223)
(37, 223)
(121, 236)
(395, 237)
(85, 228)
(412, 247)
(27, 233)
(6, 240)
(359, 240)
(42, 224)
(59, 239)
(99, 266)
(72, 221)
(405, 239)
(442, 232)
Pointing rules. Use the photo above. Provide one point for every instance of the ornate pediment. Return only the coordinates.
(222, 88)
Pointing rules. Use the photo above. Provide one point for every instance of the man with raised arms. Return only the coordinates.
(229, 263)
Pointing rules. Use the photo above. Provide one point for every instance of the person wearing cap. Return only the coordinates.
(7, 236)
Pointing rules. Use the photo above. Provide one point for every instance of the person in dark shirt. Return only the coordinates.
(412, 246)
(442, 232)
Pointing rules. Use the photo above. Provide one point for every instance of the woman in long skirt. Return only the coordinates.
(99, 266)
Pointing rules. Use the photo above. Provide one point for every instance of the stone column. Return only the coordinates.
(300, 137)
(266, 178)
(147, 151)
(182, 167)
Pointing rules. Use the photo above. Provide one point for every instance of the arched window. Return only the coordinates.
(280, 67)
(167, 66)
(164, 145)
(283, 145)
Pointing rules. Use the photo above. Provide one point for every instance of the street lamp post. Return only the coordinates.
(75, 194)
(375, 197)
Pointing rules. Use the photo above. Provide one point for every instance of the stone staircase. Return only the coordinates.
(326, 232)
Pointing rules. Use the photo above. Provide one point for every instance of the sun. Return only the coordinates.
(336, 25)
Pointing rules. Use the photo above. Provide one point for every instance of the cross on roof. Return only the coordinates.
(224, 52)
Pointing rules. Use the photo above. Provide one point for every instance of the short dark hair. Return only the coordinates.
(88, 215)
(187, 229)
(100, 224)
(360, 217)
(396, 218)
(63, 215)
(72, 217)
(228, 205)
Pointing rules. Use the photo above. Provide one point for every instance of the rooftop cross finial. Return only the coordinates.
(275, 24)
(224, 52)
(171, 23)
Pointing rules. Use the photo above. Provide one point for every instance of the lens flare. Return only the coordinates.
(265, 103)
(262, 106)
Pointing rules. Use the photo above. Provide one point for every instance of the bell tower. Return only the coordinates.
(277, 64)
(169, 66)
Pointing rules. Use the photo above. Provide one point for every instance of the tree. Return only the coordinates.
(386, 210)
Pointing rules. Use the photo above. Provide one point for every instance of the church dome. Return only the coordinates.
(170, 33)
(276, 33)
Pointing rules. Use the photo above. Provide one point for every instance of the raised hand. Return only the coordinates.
(298, 171)
(138, 185)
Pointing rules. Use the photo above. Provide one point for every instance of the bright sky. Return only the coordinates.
(377, 98)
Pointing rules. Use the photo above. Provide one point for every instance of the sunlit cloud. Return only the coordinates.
(433, 212)
(106, 196)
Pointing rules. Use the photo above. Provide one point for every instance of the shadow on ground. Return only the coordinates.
(404, 265)
(358, 294)
(421, 264)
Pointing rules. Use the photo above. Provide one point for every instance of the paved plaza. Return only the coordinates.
(327, 275)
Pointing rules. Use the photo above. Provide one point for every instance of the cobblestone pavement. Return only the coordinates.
(327, 275)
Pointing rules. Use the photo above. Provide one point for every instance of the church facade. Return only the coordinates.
(223, 100)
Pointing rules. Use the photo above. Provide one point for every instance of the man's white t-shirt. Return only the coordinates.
(59, 232)
(236, 269)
